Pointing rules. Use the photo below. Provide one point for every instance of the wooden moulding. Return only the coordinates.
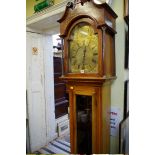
(98, 80)
(72, 14)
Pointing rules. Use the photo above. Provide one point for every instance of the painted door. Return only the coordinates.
(49, 87)
(35, 91)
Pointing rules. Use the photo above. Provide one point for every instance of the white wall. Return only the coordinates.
(40, 88)
(35, 92)
(117, 94)
(49, 87)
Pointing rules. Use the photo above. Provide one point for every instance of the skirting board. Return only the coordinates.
(63, 128)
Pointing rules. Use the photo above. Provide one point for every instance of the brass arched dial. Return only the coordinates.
(83, 49)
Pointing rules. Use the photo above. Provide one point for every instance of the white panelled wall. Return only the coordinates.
(49, 87)
(40, 90)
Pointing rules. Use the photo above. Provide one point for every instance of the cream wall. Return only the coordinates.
(30, 5)
(117, 94)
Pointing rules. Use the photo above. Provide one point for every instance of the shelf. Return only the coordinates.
(47, 17)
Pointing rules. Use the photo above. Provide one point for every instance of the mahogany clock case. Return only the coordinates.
(88, 33)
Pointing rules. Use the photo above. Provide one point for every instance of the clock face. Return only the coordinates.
(83, 49)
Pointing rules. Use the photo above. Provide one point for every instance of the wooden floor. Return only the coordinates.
(58, 146)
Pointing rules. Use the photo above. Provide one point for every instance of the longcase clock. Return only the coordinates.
(87, 29)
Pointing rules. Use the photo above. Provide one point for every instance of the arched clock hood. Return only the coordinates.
(87, 9)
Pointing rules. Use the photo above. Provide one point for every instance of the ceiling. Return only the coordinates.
(46, 23)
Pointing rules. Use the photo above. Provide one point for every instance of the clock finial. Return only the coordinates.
(80, 1)
(72, 5)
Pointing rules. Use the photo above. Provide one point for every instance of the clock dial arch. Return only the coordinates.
(90, 70)
(83, 47)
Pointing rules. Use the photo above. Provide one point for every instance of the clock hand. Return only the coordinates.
(84, 55)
